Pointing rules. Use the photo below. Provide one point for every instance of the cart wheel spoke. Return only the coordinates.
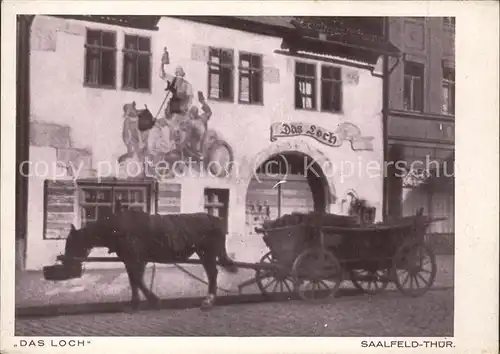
(275, 285)
(415, 266)
(269, 284)
(313, 267)
(287, 286)
(423, 279)
(270, 280)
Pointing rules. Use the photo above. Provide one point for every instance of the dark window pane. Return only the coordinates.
(144, 72)
(227, 57)
(417, 94)
(449, 74)
(245, 60)
(103, 212)
(144, 44)
(256, 62)
(300, 69)
(108, 68)
(214, 52)
(137, 196)
(326, 95)
(122, 195)
(227, 83)
(92, 67)
(108, 39)
(129, 63)
(131, 42)
(93, 37)
(311, 70)
(337, 97)
(256, 94)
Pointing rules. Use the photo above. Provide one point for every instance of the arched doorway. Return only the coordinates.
(286, 182)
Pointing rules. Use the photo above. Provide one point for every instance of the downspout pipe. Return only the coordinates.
(24, 23)
(385, 121)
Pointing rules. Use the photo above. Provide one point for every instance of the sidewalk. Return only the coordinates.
(110, 286)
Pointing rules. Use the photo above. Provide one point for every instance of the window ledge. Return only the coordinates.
(103, 87)
(261, 104)
(340, 113)
(221, 100)
(417, 114)
(130, 89)
(306, 109)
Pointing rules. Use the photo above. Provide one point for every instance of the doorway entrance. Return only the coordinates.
(285, 183)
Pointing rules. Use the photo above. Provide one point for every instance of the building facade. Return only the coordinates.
(421, 121)
(294, 123)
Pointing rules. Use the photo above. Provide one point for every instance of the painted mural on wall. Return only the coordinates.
(344, 132)
(180, 138)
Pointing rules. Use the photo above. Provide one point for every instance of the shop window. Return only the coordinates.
(413, 87)
(99, 201)
(251, 84)
(137, 63)
(331, 89)
(305, 85)
(217, 204)
(220, 74)
(448, 89)
(100, 58)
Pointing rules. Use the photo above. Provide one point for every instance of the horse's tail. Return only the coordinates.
(225, 261)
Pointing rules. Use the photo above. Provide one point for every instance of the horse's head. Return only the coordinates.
(78, 244)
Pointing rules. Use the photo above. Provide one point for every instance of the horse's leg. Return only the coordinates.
(209, 262)
(154, 301)
(132, 277)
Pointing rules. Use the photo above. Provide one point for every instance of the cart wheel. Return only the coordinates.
(369, 281)
(273, 282)
(317, 274)
(414, 269)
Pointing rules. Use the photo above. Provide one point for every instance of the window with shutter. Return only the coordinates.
(59, 208)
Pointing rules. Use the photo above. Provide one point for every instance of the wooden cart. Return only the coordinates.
(313, 259)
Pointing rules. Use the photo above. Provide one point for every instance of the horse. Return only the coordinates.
(139, 238)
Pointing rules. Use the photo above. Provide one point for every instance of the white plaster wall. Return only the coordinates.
(95, 115)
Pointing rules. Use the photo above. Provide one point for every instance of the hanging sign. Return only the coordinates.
(334, 138)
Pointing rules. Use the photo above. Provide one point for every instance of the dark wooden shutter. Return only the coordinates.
(59, 208)
(169, 198)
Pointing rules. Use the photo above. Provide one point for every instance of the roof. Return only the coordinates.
(355, 38)
(277, 21)
(141, 22)
(267, 25)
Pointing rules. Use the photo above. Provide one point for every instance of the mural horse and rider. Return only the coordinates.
(181, 134)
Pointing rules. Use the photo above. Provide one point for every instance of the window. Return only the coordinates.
(449, 21)
(98, 201)
(413, 87)
(217, 204)
(250, 86)
(448, 91)
(137, 63)
(220, 74)
(100, 58)
(305, 86)
(331, 89)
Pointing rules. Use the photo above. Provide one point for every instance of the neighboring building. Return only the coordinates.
(421, 121)
(278, 91)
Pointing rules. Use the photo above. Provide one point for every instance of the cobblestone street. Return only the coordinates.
(387, 314)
